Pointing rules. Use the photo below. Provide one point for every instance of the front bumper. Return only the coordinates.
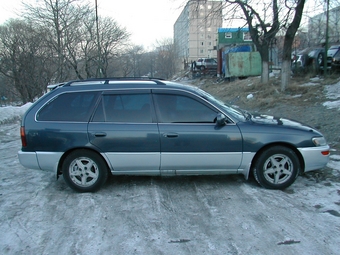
(315, 157)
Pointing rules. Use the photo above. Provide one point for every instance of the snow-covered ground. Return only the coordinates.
(153, 215)
(11, 113)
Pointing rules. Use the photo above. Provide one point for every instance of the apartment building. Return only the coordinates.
(196, 30)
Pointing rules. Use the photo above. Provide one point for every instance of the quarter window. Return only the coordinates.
(72, 107)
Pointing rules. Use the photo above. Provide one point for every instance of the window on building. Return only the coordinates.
(246, 36)
(202, 43)
(228, 35)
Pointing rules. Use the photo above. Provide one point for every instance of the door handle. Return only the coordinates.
(100, 134)
(170, 135)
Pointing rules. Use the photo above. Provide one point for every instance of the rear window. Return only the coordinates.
(73, 107)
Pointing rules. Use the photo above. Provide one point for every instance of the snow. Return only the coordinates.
(250, 96)
(151, 215)
(332, 92)
(11, 113)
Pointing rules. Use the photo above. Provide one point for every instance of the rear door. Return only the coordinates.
(123, 129)
(191, 142)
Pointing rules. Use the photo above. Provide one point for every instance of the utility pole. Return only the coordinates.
(326, 41)
(100, 71)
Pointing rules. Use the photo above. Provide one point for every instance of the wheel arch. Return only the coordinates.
(287, 145)
(63, 157)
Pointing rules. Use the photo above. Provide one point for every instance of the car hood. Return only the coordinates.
(275, 120)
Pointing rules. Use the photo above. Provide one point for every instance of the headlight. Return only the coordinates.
(319, 141)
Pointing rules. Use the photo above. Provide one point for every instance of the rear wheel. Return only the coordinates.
(276, 168)
(84, 171)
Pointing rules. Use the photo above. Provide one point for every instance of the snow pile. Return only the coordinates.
(333, 93)
(12, 113)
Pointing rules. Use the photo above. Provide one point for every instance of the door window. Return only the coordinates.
(127, 108)
(173, 108)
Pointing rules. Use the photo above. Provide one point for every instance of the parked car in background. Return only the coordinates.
(206, 63)
(335, 65)
(308, 60)
(332, 51)
(88, 129)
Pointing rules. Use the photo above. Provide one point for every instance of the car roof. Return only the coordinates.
(121, 83)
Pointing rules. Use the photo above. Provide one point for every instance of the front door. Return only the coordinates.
(191, 142)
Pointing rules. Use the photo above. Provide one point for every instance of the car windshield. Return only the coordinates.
(332, 51)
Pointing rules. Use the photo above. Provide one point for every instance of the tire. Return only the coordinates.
(276, 168)
(84, 171)
(319, 61)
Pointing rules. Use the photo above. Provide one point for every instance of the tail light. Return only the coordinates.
(23, 136)
(325, 153)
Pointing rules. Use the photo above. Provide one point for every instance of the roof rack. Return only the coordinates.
(53, 86)
(92, 81)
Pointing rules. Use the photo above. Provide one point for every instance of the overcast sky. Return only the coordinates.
(147, 20)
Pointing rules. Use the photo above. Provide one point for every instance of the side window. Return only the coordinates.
(74, 107)
(182, 109)
(127, 108)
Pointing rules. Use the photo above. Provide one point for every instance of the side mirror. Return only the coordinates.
(220, 119)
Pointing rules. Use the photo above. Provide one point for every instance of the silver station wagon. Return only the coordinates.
(88, 129)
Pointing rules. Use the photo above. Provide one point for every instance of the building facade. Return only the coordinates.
(195, 31)
(317, 27)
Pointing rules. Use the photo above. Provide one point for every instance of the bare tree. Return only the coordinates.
(291, 28)
(285, 15)
(73, 36)
(61, 18)
(262, 31)
(165, 58)
(25, 58)
(113, 39)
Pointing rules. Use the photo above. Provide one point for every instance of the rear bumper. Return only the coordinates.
(40, 160)
(28, 159)
(315, 157)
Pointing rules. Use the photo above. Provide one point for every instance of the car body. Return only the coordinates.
(309, 59)
(336, 61)
(206, 63)
(331, 52)
(88, 129)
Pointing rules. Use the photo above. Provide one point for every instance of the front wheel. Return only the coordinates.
(276, 168)
(84, 171)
